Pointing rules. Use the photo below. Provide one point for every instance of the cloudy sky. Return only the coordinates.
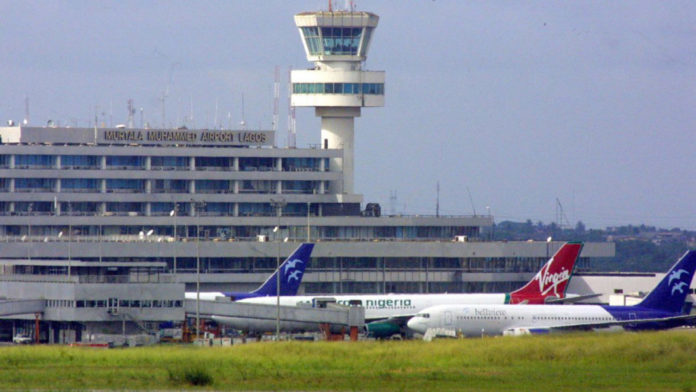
(513, 106)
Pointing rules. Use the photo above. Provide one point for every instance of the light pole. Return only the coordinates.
(29, 210)
(69, 238)
(490, 219)
(308, 228)
(198, 205)
(174, 213)
(101, 251)
(278, 205)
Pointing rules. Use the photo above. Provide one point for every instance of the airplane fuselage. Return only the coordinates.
(478, 320)
(384, 306)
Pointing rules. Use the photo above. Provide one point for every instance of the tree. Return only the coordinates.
(580, 228)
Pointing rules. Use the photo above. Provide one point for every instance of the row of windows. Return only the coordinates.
(415, 286)
(156, 209)
(574, 318)
(93, 162)
(483, 317)
(123, 303)
(160, 186)
(291, 209)
(338, 88)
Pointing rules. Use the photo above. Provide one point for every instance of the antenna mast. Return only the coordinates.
(292, 133)
(471, 199)
(26, 111)
(560, 215)
(131, 113)
(243, 122)
(215, 119)
(276, 97)
(437, 204)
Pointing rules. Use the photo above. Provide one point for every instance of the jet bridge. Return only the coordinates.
(23, 306)
(262, 318)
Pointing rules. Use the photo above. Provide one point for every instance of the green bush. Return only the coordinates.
(196, 376)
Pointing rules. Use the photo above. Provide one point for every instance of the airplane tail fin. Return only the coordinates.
(552, 280)
(290, 272)
(672, 290)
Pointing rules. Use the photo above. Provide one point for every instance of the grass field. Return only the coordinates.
(662, 361)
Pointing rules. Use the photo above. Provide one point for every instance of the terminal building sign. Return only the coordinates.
(163, 136)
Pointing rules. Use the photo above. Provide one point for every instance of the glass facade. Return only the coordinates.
(80, 185)
(305, 187)
(213, 163)
(257, 186)
(80, 162)
(302, 164)
(35, 161)
(334, 40)
(256, 209)
(256, 164)
(35, 184)
(169, 163)
(170, 186)
(341, 40)
(125, 162)
(213, 186)
(338, 88)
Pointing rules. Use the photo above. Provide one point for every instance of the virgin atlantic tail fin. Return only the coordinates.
(552, 280)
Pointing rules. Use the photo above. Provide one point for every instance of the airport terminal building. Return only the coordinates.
(202, 205)
(213, 198)
(206, 201)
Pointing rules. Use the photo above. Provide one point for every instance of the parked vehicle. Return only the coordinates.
(21, 339)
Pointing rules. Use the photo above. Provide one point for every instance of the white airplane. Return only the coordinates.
(387, 314)
(663, 308)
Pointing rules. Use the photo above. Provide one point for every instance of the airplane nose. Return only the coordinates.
(416, 324)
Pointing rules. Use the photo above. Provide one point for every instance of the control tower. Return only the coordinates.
(337, 87)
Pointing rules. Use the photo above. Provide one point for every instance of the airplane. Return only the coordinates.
(291, 270)
(386, 314)
(664, 307)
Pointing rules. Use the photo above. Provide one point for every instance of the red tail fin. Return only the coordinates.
(552, 280)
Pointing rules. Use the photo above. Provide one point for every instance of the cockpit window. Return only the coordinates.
(423, 315)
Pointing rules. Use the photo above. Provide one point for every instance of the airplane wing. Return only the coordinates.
(570, 300)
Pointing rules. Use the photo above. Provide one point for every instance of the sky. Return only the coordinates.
(514, 107)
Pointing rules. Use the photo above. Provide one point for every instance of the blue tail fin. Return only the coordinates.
(291, 272)
(672, 290)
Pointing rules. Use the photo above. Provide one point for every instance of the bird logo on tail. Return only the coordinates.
(295, 275)
(679, 287)
(292, 264)
(677, 275)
